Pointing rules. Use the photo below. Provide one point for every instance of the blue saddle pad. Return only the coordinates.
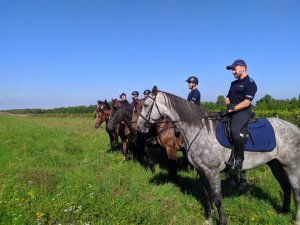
(262, 133)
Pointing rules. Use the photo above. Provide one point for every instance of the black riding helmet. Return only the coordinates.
(192, 79)
(135, 93)
(123, 94)
(147, 92)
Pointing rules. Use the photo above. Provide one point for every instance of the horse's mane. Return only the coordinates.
(189, 112)
(107, 106)
(125, 105)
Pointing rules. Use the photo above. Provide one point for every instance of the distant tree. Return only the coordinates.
(220, 101)
(266, 99)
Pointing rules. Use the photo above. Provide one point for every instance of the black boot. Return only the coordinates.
(236, 162)
(239, 159)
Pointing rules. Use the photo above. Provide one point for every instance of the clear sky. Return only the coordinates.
(60, 53)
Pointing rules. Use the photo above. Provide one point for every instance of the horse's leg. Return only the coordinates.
(209, 211)
(140, 147)
(172, 163)
(213, 176)
(124, 147)
(149, 158)
(294, 179)
(185, 158)
(112, 141)
(293, 174)
(284, 182)
(243, 181)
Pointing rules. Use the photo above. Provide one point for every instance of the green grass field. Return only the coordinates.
(60, 171)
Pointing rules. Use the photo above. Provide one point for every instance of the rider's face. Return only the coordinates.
(238, 71)
(191, 85)
(123, 97)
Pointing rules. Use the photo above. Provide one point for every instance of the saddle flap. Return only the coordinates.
(261, 132)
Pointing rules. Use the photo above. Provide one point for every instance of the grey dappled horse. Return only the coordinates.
(208, 156)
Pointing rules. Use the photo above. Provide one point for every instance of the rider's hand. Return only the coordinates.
(224, 113)
(230, 106)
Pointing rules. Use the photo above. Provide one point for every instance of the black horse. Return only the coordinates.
(120, 122)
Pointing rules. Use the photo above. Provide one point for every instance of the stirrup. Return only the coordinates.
(230, 162)
(235, 163)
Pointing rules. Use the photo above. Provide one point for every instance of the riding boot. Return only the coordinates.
(230, 162)
(239, 159)
(236, 162)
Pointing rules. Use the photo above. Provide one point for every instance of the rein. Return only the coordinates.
(148, 124)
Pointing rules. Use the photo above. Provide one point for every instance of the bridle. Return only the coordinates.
(147, 117)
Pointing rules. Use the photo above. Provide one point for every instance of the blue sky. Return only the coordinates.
(59, 53)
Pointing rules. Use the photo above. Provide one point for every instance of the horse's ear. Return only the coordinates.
(154, 90)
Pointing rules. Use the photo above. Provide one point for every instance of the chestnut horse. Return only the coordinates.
(102, 113)
(165, 135)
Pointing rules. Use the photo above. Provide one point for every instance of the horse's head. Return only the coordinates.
(115, 104)
(152, 110)
(120, 112)
(102, 113)
(116, 115)
(138, 106)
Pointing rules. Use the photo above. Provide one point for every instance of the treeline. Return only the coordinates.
(267, 106)
(265, 103)
(61, 110)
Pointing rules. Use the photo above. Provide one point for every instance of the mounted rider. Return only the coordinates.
(146, 93)
(194, 96)
(238, 102)
(123, 98)
(135, 97)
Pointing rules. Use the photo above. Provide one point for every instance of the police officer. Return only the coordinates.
(123, 98)
(194, 96)
(238, 101)
(146, 93)
(135, 95)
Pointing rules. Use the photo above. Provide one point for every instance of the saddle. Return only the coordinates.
(258, 135)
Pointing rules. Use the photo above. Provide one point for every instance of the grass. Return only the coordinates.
(60, 171)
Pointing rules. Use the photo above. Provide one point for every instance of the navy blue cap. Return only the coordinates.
(123, 94)
(238, 62)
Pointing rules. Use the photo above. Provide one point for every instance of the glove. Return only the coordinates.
(230, 106)
(224, 113)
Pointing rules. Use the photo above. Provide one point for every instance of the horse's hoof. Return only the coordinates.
(232, 183)
(285, 210)
(243, 186)
(152, 169)
(208, 221)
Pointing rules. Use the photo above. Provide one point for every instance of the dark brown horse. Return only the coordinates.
(165, 134)
(102, 113)
(122, 127)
